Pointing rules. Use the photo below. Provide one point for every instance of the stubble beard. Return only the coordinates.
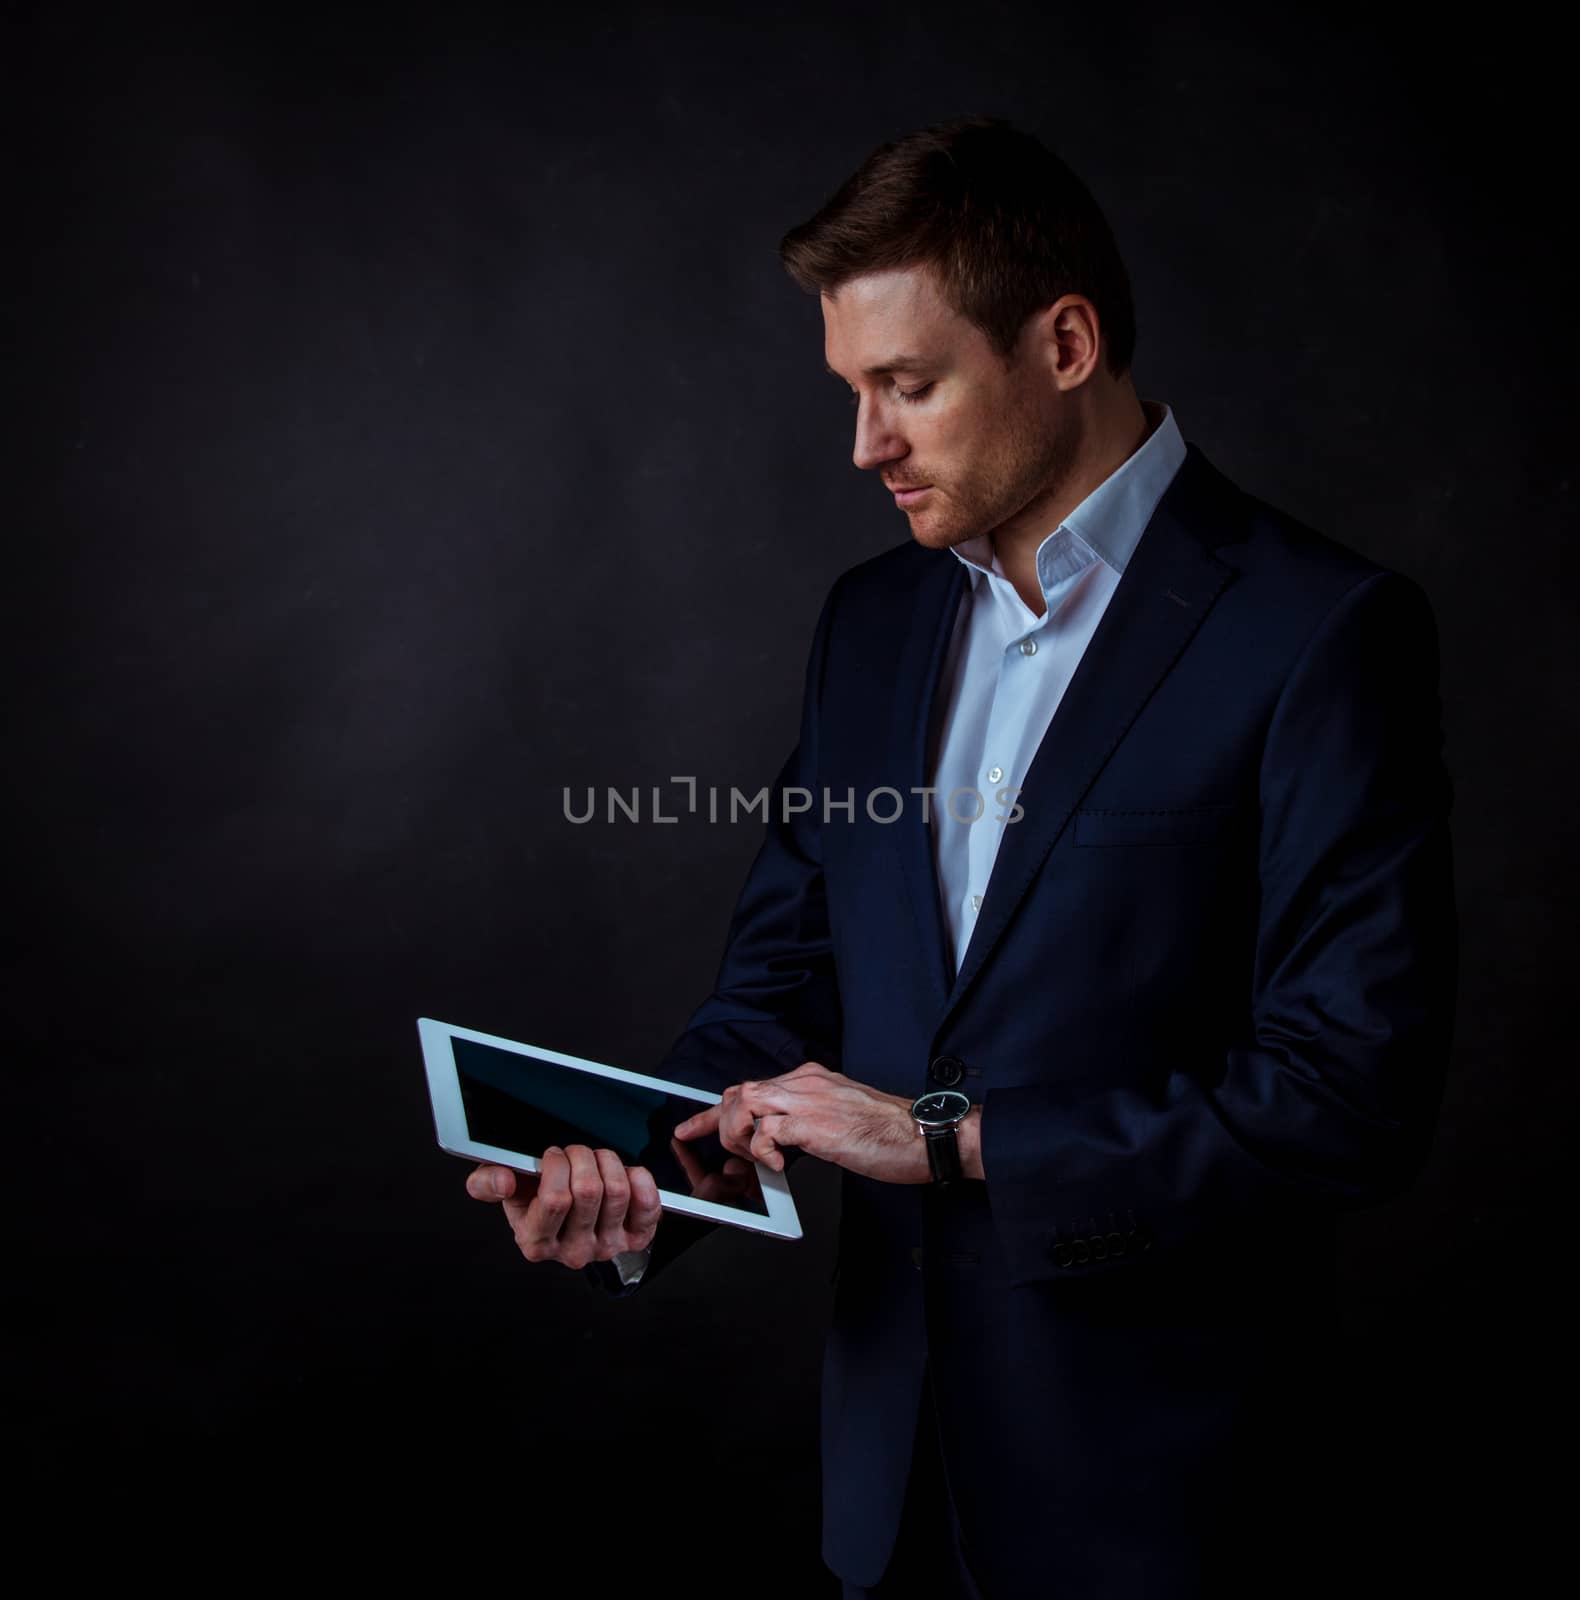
(1036, 456)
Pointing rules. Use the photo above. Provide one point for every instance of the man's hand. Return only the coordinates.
(583, 1206)
(823, 1113)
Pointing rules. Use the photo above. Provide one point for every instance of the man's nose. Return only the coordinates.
(876, 440)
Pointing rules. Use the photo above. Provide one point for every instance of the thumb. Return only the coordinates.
(490, 1182)
(512, 1185)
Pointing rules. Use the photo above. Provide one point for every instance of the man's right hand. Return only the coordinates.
(584, 1205)
(729, 1119)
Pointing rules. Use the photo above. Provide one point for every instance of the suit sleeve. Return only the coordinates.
(1331, 1102)
(775, 1002)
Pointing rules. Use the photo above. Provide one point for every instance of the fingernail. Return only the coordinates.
(497, 1184)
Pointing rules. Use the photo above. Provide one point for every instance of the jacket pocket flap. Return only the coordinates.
(1188, 825)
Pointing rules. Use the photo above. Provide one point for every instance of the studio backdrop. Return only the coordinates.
(414, 433)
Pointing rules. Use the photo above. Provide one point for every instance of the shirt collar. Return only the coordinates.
(1107, 525)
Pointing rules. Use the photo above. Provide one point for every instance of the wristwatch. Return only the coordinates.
(938, 1114)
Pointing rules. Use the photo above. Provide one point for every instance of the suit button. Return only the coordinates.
(916, 1257)
(947, 1071)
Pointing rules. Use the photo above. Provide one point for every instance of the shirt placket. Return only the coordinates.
(1000, 751)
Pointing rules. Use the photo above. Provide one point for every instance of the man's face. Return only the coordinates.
(987, 442)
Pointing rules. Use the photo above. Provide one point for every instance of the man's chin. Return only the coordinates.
(942, 536)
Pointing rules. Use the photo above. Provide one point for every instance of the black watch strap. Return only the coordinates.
(943, 1153)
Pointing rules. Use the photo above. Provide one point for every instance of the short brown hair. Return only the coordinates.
(1005, 224)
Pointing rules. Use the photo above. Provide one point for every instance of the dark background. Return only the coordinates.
(413, 420)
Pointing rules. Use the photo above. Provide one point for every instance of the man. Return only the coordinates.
(1198, 991)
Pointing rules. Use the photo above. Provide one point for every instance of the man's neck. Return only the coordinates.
(1108, 448)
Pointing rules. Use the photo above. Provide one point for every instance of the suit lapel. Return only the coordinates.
(921, 664)
(1169, 585)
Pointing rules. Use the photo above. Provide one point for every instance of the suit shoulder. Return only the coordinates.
(1282, 555)
(895, 570)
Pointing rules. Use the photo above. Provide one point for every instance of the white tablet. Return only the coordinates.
(496, 1100)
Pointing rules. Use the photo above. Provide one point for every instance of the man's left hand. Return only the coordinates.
(829, 1116)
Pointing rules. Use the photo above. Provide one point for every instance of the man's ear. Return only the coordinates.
(1066, 337)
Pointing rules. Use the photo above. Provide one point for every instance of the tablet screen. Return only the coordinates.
(524, 1103)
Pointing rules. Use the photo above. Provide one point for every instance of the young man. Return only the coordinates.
(1195, 994)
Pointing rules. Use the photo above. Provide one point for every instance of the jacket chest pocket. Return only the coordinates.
(1164, 826)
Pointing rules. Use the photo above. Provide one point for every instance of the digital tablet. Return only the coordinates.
(496, 1100)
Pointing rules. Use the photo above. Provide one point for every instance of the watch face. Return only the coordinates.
(941, 1106)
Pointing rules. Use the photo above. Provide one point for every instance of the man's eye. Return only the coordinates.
(910, 396)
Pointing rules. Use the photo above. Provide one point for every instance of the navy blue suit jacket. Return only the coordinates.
(1206, 1006)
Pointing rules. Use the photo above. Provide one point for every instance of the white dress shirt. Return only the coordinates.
(1007, 668)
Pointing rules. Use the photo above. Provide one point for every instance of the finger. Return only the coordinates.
(641, 1220)
(780, 1099)
(586, 1197)
(537, 1225)
(778, 1094)
(772, 1131)
(609, 1226)
(699, 1125)
(731, 1109)
(735, 1132)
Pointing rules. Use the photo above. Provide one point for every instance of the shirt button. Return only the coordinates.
(994, 774)
(1028, 647)
(976, 902)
